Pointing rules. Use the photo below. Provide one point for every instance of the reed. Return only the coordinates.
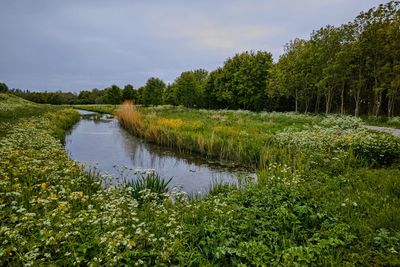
(130, 118)
(258, 140)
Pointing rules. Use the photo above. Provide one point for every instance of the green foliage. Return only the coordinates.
(168, 96)
(113, 95)
(350, 69)
(128, 93)
(103, 109)
(3, 88)
(54, 213)
(188, 88)
(152, 92)
(13, 108)
(90, 97)
(150, 183)
(241, 83)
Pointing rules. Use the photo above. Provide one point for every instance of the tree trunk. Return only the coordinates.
(328, 100)
(307, 104)
(342, 99)
(357, 100)
(391, 105)
(378, 101)
(317, 105)
(357, 95)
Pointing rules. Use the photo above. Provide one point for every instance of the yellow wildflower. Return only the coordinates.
(43, 186)
(62, 206)
(76, 195)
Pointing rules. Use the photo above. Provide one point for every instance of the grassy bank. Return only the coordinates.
(259, 139)
(328, 212)
(105, 109)
(350, 171)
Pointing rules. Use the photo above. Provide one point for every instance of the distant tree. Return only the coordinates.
(153, 91)
(189, 88)
(242, 81)
(212, 87)
(3, 88)
(168, 96)
(113, 95)
(140, 93)
(128, 93)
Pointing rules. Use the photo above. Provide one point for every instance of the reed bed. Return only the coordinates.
(257, 140)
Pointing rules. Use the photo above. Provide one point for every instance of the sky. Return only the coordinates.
(50, 45)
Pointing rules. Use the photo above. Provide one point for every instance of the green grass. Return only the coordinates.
(97, 108)
(338, 206)
(150, 183)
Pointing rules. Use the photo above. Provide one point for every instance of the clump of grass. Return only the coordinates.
(149, 183)
(130, 118)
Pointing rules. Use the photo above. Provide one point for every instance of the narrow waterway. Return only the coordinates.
(99, 142)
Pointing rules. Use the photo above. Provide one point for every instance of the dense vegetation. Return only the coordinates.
(327, 190)
(337, 206)
(351, 69)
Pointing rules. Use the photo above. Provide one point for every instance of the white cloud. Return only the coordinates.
(205, 32)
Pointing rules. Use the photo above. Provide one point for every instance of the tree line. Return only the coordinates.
(351, 69)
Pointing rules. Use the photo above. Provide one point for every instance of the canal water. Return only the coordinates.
(98, 141)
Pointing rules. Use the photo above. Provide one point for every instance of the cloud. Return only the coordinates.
(75, 45)
(208, 33)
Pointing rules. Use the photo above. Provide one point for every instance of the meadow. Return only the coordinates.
(327, 192)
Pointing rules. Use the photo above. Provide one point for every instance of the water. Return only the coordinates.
(99, 141)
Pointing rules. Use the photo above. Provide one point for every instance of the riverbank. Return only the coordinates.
(100, 142)
(53, 213)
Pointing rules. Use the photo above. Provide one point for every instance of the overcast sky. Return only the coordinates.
(75, 45)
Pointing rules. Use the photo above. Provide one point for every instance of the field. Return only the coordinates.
(327, 192)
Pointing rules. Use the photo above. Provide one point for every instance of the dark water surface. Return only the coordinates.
(98, 141)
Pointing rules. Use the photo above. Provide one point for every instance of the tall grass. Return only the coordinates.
(130, 118)
(257, 140)
(149, 183)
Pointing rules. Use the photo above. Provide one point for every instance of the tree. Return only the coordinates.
(168, 96)
(212, 87)
(189, 88)
(153, 91)
(3, 88)
(113, 95)
(242, 81)
(128, 93)
(292, 74)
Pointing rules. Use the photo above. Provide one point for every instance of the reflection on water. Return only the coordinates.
(98, 141)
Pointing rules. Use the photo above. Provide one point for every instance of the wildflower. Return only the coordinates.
(62, 206)
(43, 186)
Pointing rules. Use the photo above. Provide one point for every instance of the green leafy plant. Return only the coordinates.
(151, 182)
